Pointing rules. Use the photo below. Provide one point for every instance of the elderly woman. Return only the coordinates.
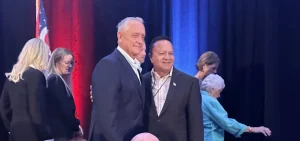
(63, 124)
(22, 104)
(215, 118)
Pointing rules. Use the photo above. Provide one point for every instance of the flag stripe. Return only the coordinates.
(41, 22)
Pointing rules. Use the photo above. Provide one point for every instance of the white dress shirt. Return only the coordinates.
(134, 63)
(160, 88)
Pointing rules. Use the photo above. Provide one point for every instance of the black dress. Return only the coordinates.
(22, 106)
(61, 109)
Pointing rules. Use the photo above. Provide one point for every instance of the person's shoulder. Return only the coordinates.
(52, 77)
(34, 76)
(147, 74)
(108, 60)
(54, 81)
(7, 83)
(107, 65)
(186, 76)
(33, 73)
(207, 99)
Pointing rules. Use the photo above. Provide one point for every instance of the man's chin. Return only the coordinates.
(167, 69)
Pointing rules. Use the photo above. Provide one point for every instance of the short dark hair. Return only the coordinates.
(156, 39)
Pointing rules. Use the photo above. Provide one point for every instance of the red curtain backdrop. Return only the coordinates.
(70, 24)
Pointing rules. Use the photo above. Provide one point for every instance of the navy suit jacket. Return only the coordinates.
(118, 100)
(181, 117)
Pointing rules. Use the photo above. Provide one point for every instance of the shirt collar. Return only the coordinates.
(155, 75)
(133, 62)
(138, 63)
(126, 55)
(204, 92)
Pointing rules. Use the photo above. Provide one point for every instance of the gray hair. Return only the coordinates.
(212, 81)
(123, 25)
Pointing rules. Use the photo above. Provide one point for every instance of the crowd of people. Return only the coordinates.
(164, 104)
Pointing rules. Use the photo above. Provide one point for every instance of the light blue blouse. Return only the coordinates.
(215, 120)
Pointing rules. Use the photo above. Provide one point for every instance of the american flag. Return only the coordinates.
(41, 22)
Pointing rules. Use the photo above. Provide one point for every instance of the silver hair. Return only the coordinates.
(123, 25)
(212, 81)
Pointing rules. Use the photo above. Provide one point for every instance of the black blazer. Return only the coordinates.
(61, 109)
(3, 131)
(22, 106)
(118, 100)
(181, 116)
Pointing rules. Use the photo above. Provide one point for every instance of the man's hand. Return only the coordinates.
(79, 134)
(91, 92)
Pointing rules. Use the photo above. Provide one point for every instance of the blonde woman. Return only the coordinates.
(63, 125)
(22, 99)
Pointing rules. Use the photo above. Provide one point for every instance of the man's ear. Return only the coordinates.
(119, 36)
(150, 57)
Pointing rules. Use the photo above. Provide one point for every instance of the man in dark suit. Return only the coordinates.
(173, 101)
(118, 93)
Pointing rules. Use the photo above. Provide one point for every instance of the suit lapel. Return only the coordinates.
(150, 104)
(172, 90)
(131, 73)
